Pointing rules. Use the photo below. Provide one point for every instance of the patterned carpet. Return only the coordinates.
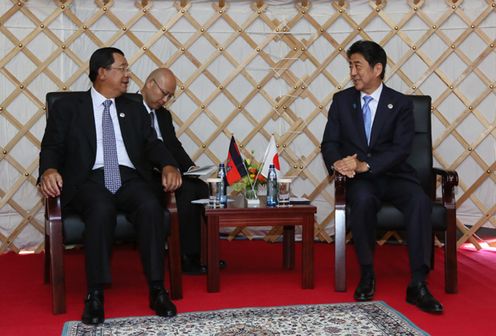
(367, 318)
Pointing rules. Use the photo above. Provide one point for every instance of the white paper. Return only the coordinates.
(200, 201)
(200, 171)
(297, 200)
(204, 201)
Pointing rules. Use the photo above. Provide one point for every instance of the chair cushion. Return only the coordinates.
(390, 218)
(124, 230)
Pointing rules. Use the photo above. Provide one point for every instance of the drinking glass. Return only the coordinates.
(214, 191)
(284, 186)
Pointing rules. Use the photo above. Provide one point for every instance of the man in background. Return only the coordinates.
(159, 89)
(97, 154)
(368, 138)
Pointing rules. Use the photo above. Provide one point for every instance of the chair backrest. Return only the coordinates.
(73, 227)
(421, 155)
(52, 97)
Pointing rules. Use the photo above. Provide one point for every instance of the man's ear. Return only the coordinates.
(101, 73)
(378, 69)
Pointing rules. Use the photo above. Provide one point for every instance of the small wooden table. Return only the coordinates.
(237, 214)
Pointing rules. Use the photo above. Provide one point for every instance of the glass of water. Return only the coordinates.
(214, 191)
(283, 195)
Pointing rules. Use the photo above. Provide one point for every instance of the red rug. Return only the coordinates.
(253, 277)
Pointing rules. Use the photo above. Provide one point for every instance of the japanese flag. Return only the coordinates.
(270, 156)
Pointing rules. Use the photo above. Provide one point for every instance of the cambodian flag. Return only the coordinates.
(235, 168)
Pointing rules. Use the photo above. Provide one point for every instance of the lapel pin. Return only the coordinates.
(390, 106)
(122, 115)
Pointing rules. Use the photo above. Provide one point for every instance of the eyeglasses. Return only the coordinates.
(123, 69)
(165, 94)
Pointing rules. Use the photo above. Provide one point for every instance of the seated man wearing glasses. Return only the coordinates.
(157, 91)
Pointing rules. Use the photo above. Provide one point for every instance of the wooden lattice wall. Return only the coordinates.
(253, 68)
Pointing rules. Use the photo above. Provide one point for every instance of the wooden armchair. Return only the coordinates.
(68, 230)
(443, 216)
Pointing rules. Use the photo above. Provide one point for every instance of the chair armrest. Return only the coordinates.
(449, 180)
(53, 223)
(340, 232)
(174, 247)
(448, 183)
(170, 200)
(339, 190)
(54, 251)
(53, 210)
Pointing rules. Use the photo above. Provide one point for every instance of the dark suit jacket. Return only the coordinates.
(69, 143)
(175, 147)
(391, 136)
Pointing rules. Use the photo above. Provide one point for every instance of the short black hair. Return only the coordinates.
(371, 51)
(102, 58)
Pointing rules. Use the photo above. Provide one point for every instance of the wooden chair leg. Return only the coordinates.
(450, 261)
(340, 250)
(175, 272)
(46, 261)
(56, 255)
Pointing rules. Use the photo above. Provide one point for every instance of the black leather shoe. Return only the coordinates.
(365, 289)
(160, 302)
(420, 296)
(93, 308)
(222, 264)
(191, 265)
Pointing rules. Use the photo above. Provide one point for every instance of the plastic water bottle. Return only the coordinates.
(272, 187)
(222, 190)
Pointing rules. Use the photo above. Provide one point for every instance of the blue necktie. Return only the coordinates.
(367, 116)
(111, 172)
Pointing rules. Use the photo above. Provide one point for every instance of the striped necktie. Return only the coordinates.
(111, 172)
(367, 116)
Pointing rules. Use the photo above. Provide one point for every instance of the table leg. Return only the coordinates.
(203, 235)
(307, 252)
(288, 247)
(213, 281)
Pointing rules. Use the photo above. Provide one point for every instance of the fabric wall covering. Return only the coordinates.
(252, 69)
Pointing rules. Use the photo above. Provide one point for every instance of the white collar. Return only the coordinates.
(144, 103)
(375, 95)
(98, 98)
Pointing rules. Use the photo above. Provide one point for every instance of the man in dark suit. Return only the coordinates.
(368, 138)
(97, 153)
(158, 89)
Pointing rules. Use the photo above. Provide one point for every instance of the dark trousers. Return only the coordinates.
(190, 214)
(98, 209)
(365, 197)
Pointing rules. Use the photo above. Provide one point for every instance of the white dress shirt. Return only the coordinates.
(153, 117)
(373, 103)
(122, 155)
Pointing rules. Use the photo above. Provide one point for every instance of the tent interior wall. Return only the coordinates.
(252, 69)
